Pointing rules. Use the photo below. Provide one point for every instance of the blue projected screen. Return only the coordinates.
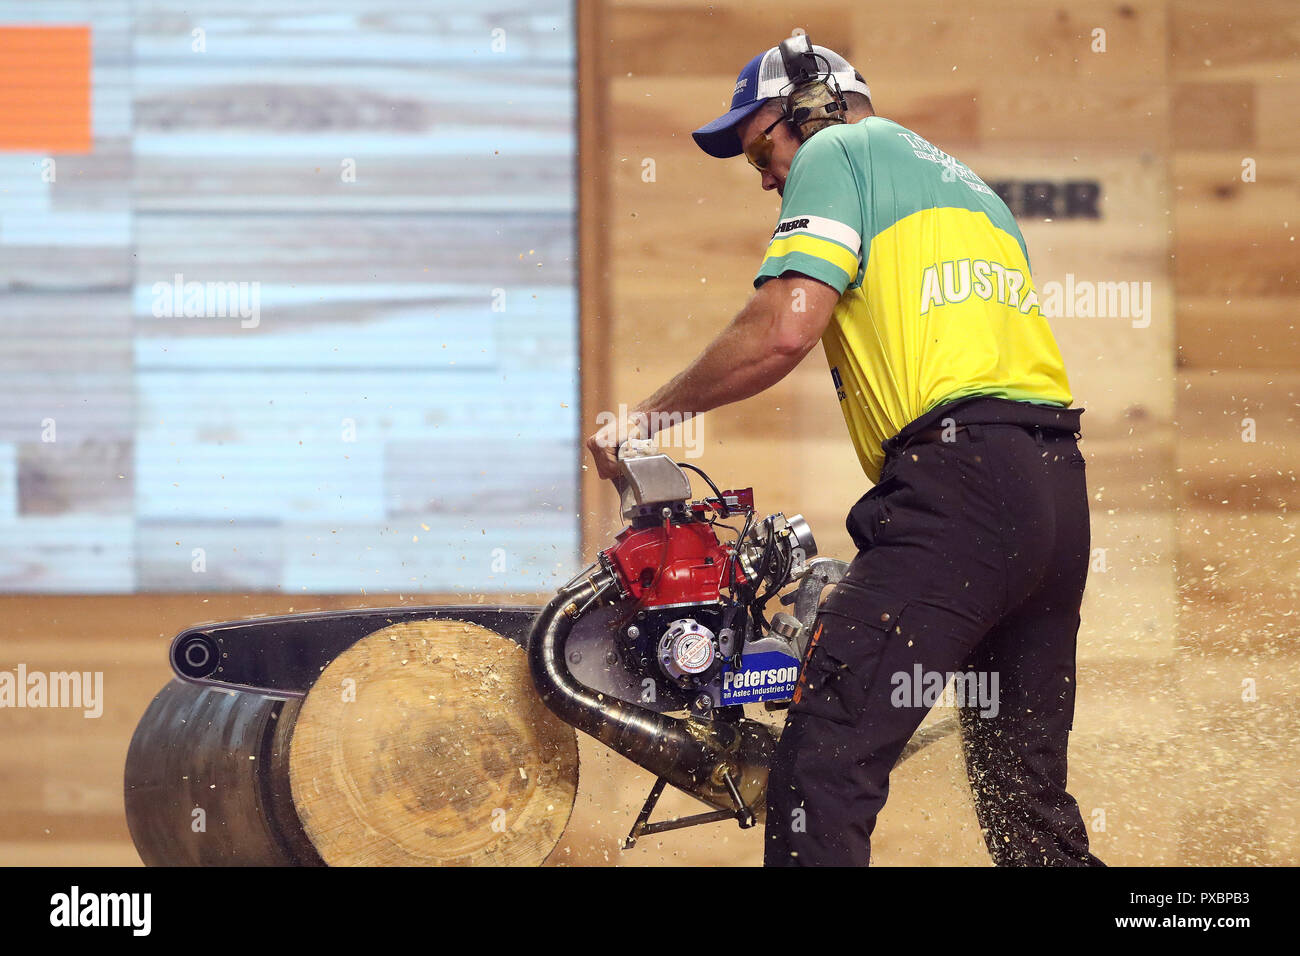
(303, 316)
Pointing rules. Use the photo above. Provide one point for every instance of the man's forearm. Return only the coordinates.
(748, 356)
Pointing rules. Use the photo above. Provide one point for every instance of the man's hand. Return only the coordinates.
(604, 449)
(605, 443)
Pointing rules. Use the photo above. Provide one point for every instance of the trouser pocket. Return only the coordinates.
(853, 629)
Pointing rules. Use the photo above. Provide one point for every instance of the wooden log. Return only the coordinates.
(424, 744)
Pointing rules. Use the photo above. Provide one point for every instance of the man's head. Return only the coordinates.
(762, 87)
(769, 142)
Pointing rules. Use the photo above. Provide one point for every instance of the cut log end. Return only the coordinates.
(425, 744)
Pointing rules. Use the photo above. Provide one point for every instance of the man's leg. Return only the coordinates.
(914, 603)
(919, 596)
(1016, 754)
(863, 693)
(1016, 760)
(956, 535)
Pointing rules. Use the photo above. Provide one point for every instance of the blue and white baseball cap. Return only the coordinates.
(762, 79)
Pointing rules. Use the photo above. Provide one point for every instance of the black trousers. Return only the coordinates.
(973, 555)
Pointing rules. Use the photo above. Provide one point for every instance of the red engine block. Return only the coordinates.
(677, 564)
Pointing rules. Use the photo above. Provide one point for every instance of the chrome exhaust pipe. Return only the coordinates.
(694, 755)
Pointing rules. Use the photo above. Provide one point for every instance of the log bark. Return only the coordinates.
(207, 781)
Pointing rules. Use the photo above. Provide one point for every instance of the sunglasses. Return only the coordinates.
(759, 150)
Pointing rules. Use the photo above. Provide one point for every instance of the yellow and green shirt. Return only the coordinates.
(936, 300)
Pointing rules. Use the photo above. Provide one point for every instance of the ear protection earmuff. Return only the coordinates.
(815, 100)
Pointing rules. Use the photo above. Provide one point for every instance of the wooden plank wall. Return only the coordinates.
(1191, 536)
(1234, 90)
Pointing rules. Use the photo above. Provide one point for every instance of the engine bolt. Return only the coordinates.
(634, 632)
(575, 657)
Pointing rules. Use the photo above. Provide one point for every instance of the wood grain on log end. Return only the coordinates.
(424, 744)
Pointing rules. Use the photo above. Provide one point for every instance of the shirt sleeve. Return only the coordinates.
(820, 232)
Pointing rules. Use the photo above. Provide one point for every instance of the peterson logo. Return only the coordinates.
(764, 678)
(766, 675)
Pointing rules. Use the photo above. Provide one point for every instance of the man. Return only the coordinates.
(974, 540)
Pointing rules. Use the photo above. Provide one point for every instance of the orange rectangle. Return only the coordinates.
(45, 89)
